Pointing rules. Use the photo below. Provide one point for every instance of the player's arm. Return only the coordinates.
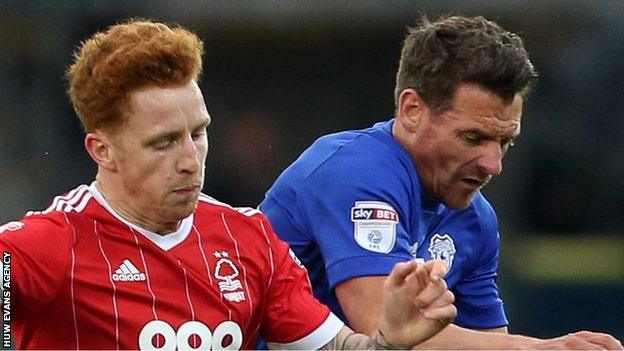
(456, 337)
(416, 305)
(36, 250)
(368, 291)
(347, 339)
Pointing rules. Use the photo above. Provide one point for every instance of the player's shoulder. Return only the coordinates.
(209, 205)
(51, 222)
(369, 142)
(37, 223)
(350, 156)
(73, 201)
(240, 222)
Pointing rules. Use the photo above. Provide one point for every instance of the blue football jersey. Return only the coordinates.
(352, 205)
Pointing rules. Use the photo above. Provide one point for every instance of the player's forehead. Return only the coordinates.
(153, 110)
(488, 126)
(480, 109)
(152, 94)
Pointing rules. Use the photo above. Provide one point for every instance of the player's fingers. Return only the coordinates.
(430, 293)
(414, 280)
(569, 342)
(576, 343)
(605, 340)
(446, 298)
(436, 268)
(422, 275)
(400, 272)
(446, 312)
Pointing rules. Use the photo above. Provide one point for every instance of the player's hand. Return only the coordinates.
(417, 303)
(582, 340)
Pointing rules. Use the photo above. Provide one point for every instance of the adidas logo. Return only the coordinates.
(127, 272)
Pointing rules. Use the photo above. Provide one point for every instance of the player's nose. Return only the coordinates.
(491, 162)
(190, 158)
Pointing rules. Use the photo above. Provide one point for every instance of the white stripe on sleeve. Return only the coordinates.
(315, 340)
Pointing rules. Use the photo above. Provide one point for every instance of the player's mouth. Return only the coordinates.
(474, 183)
(187, 191)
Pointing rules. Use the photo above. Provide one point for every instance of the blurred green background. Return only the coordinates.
(278, 74)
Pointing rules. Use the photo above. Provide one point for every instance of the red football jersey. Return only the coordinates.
(85, 278)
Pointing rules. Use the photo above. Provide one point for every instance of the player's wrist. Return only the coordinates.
(504, 341)
(521, 342)
(385, 343)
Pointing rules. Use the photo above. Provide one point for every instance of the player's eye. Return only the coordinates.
(163, 144)
(472, 138)
(199, 134)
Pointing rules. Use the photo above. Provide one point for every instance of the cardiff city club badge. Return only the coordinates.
(374, 225)
(442, 247)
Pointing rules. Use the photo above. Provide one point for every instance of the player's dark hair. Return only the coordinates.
(127, 57)
(438, 56)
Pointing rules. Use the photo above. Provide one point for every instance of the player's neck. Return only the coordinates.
(402, 137)
(124, 208)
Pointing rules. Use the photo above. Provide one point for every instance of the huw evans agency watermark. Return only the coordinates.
(6, 300)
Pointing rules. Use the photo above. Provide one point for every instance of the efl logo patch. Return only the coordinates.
(374, 225)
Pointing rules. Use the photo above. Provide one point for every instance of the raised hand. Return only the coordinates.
(417, 303)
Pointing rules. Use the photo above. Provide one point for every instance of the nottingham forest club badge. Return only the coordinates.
(374, 225)
(227, 273)
(442, 247)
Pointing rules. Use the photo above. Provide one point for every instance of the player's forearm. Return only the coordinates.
(454, 337)
(347, 339)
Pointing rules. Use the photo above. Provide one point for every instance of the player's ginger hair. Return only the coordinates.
(126, 57)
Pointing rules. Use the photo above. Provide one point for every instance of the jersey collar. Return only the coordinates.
(165, 242)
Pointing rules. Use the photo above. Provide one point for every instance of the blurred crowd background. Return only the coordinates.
(278, 74)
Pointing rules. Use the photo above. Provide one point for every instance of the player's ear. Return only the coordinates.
(410, 109)
(100, 148)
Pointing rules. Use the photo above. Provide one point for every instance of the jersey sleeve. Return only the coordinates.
(478, 303)
(293, 318)
(36, 252)
(357, 217)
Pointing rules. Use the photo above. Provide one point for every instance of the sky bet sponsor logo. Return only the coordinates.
(374, 225)
(370, 213)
